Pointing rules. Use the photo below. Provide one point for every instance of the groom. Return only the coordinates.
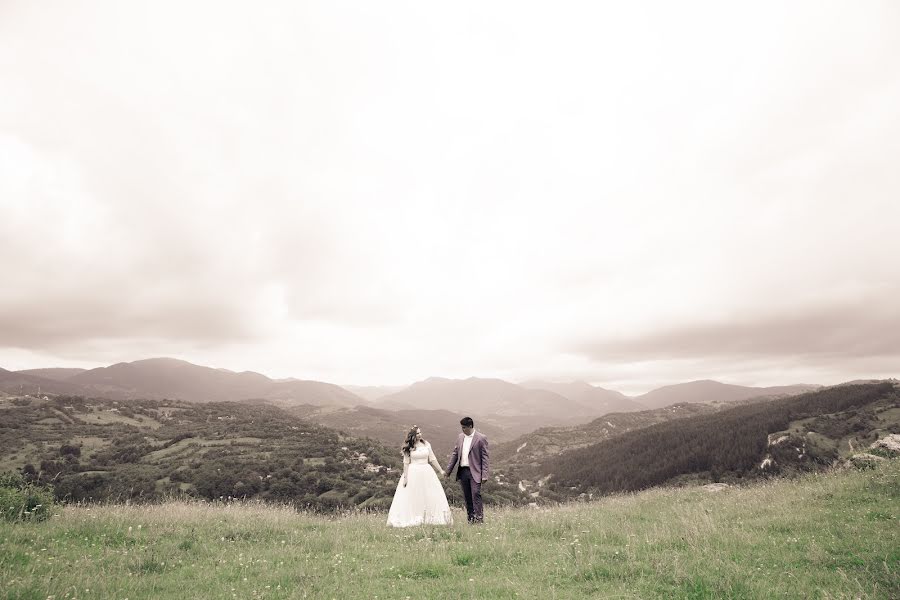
(472, 453)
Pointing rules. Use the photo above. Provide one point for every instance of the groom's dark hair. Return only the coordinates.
(467, 422)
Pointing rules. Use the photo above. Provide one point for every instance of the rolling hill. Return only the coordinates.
(161, 378)
(511, 409)
(527, 452)
(439, 427)
(146, 449)
(14, 383)
(596, 399)
(373, 392)
(757, 439)
(707, 391)
(149, 449)
(57, 374)
(822, 537)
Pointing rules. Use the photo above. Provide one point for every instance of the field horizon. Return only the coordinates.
(831, 535)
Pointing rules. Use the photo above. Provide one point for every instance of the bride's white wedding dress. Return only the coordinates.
(422, 501)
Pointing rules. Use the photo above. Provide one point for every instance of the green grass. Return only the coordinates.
(822, 536)
(105, 417)
(190, 446)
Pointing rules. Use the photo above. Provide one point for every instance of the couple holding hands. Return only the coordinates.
(420, 497)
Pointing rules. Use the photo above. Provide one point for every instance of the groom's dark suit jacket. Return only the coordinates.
(478, 456)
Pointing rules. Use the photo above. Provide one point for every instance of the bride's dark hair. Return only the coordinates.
(411, 440)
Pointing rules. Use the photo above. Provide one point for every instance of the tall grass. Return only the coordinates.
(823, 536)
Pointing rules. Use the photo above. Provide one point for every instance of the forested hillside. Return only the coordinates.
(149, 449)
(439, 427)
(100, 449)
(529, 451)
(732, 444)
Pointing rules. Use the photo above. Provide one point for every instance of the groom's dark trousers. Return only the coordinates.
(471, 490)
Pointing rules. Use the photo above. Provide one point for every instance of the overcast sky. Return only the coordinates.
(629, 193)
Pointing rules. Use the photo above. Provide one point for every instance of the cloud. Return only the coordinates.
(869, 327)
(77, 267)
(378, 194)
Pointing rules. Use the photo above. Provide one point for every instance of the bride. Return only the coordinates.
(420, 497)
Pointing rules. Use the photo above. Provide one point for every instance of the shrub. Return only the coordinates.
(23, 501)
(865, 462)
(70, 450)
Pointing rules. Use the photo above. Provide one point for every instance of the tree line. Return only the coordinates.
(150, 450)
(726, 445)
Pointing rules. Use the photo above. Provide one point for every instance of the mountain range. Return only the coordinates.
(508, 409)
(439, 427)
(154, 426)
(706, 390)
(593, 398)
(168, 378)
(373, 392)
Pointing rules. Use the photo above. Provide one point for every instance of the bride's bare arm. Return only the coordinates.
(405, 468)
(433, 461)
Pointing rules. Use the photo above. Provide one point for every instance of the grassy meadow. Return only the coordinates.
(821, 536)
